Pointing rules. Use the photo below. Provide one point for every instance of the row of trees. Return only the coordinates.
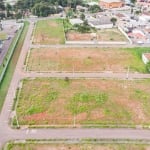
(45, 7)
(37, 7)
(42, 9)
(5, 10)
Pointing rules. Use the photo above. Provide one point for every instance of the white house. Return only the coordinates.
(145, 18)
(146, 57)
(92, 3)
(76, 21)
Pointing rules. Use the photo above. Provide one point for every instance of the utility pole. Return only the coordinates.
(74, 120)
(127, 76)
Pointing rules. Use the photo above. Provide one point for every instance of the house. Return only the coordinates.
(146, 57)
(81, 8)
(92, 3)
(76, 21)
(102, 22)
(108, 4)
(137, 34)
(145, 17)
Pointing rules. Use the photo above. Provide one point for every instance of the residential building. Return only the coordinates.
(108, 4)
(76, 21)
(102, 22)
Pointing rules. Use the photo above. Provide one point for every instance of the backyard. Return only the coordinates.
(112, 35)
(83, 102)
(49, 32)
(85, 59)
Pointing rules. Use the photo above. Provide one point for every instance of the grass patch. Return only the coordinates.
(86, 101)
(49, 32)
(45, 101)
(110, 35)
(77, 146)
(11, 67)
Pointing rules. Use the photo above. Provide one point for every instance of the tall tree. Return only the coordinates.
(2, 9)
(113, 20)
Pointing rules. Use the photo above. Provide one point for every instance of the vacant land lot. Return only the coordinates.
(49, 32)
(110, 35)
(83, 101)
(101, 35)
(84, 59)
(78, 147)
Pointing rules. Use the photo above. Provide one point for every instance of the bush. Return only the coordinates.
(148, 67)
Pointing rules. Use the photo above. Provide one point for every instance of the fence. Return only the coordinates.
(97, 42)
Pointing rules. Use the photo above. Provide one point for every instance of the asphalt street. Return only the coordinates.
(4, 49)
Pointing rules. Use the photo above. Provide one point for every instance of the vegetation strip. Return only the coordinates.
(77, 144)
(11, 66)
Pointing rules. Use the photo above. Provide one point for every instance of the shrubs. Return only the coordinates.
(148, 67)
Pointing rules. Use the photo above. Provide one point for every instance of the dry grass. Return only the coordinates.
(102, 35)
(111, 35)
(84, 59)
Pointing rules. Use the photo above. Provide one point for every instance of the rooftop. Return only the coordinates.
(100, 21)
(76, 21)
(111, 1)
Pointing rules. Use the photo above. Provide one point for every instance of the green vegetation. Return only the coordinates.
(113, 20)
(95, 9)
(11, 67)
(92, 102)
(49, 32)
(45, 7)
(148, 66)
(137, 52)
(67, 25)
(86, 101)
(82, 28)
(78, 146)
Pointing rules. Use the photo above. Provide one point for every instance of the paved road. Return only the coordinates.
(6, 133)
(4, 49)
(132, 134)
(90, 45)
